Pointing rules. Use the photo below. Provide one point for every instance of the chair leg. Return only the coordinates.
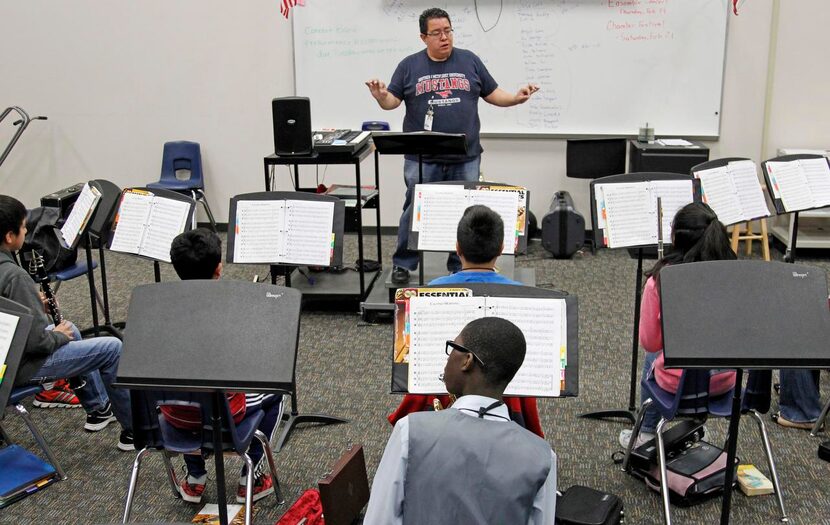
(762, 429)
(40, 441)
(128, 507)
(664, 476)
(635, 433)
(249, 488)
(171, 474)
(820, 421)
(764, 239)
(269, 454)
(203, 199)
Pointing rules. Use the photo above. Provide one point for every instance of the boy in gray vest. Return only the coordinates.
(469, 463)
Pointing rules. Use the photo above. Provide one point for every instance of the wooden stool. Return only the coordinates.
(750, 236)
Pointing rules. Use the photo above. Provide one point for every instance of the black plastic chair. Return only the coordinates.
(153, 432)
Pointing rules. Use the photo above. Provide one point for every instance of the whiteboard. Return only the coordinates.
(605, 67)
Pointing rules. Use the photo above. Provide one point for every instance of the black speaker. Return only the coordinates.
(563, 228)
(292, 125)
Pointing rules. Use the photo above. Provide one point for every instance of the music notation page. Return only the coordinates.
(544, 325)
(432, 322)
(167, 219)
(8, 324)
(307, 236)
(720, 193)
(436, 211)
(790, 184)
(80, 214)
(630, 216)
(257, 231)
(745, 178)
(506, 204)
(674, 194)
(131, 222)
(817, 173)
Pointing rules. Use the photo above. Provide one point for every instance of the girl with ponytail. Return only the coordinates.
(697, 235)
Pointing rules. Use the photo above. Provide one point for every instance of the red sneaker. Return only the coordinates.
(263, 486)
(191, 492)
(60, 396)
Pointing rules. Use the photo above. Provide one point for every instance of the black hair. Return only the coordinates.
(480, 234)
(697, 235)
(196, 254)
(12, 213)
(499, 343)
(430, 14)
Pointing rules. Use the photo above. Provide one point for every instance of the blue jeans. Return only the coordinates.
(799, 399)
(271, 405)
(433, 172)
(652, 416)
(96, 361)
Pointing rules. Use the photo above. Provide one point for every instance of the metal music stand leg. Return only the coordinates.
(295, 418)
(789, 255)
(420, 254)
(632, 389)
(219, 456)
(157, 271)
(731, 448)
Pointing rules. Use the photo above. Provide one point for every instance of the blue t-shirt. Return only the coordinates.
(452, 88)
(474, 277)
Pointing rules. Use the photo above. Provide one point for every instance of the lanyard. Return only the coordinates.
(482, 411)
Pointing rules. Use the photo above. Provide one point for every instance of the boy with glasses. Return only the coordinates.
(471, 457)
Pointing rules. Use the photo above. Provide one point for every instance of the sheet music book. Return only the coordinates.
(8, 325)
(435, 315)
(284, 232)
(437, 208)
(627, 211)
(734, 192)
(78, 218)
(146, 224)
(800, 184)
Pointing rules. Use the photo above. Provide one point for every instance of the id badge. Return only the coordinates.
(428, 120)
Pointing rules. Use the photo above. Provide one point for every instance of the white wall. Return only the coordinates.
(118, 78)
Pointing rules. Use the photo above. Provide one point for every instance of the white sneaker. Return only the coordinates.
(625, 437)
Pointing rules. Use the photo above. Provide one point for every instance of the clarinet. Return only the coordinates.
(38, 272)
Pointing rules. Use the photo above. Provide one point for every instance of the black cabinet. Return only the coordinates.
(643, 156)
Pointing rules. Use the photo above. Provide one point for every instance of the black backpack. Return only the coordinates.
(44, 236)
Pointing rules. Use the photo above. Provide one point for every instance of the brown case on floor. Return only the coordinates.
(345, 490)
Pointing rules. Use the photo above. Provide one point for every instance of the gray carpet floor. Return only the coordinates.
(344, 370)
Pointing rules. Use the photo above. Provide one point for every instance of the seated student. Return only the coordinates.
(799, 401)
(697, 235)
(58, 352)
(197, 254)
(469, 463)
(479, 242)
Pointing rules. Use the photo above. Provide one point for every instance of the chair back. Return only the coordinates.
(692, 397)
(182, 161)
(147, 425)
(375, 125)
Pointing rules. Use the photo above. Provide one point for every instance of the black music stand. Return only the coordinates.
(414, 236)
(789, 255)
(630, 414)
(703, 327)
(167, 194)
(280, 267)
(214, 336)
(400, 371)
(419, 143)
(99, 225)
(16, 348)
